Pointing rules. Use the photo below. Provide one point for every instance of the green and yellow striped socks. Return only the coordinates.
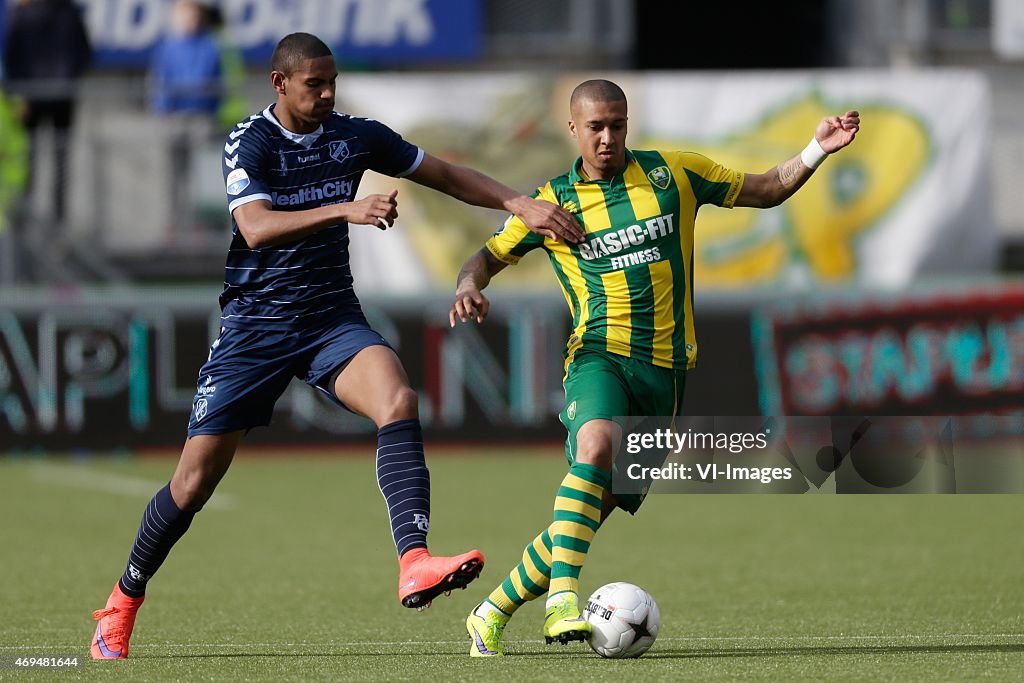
(576, 520)
(529, 579)
(555, 557)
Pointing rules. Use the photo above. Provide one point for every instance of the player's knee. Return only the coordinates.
(191, 490)
(596, 450)
(599, 459)
(403, 404)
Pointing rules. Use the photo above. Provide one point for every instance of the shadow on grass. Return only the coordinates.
(814, 651)
(319, 655)
(659, 653)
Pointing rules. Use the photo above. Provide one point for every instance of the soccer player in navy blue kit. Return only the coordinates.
(289, 310)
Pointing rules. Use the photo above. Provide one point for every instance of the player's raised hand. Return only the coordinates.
(470, 304)
(835, 132)
(550, 220)
(378, 210)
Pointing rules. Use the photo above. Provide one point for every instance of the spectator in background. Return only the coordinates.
(13, 173)
(233, 106)
(13, 156)
(45, 52)
(186, 90)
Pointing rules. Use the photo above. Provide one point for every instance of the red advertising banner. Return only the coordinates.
(939, 353)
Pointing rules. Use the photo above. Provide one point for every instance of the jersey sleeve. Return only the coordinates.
(245, 165)
(390, 153)
(513, 239)
(712, 183)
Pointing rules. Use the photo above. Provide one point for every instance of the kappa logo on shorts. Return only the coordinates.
(201, 406)
(570, 412)
(208, 387)
(660, 177)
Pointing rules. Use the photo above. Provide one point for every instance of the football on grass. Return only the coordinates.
(624, 618)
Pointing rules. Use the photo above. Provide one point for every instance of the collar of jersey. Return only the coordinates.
(304, 139)
(576, 175)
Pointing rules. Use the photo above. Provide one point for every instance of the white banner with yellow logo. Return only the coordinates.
(911, 196)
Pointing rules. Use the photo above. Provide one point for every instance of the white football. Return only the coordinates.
(625, 620)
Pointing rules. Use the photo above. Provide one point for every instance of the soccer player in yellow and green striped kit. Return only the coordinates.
(629, 285)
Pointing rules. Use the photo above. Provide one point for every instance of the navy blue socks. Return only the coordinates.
(163, 524)
(405, 482)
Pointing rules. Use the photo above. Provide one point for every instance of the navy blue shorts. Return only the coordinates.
(248, 370)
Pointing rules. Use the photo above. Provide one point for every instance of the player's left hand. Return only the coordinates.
(836, 132)
(550, 220)
(470, 304)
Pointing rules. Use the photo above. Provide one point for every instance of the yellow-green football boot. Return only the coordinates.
(563, 621)
(485, 632)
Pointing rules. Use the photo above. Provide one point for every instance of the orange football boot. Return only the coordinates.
(116, 622)
(422, 577)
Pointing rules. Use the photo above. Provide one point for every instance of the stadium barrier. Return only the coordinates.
(116, 368)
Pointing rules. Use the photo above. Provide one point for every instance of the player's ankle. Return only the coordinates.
(413, 555)
(557, 598)
(487, 607)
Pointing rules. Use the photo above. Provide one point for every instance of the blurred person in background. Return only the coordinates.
(629, 287)
(289, 310)
(233, 105)
(45, 52)
(186, 92)
(13, 174)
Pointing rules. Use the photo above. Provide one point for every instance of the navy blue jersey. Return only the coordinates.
(300, 283)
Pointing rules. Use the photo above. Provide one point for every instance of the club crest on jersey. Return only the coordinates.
(570, 206)
(237, 181)
(660, 177)
(339, 150)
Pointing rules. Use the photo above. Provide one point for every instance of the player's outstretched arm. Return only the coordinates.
(470, 302)
(261, 226)
(475, 188)
(764, 190)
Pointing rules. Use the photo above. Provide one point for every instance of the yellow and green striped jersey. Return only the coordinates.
(629, 285)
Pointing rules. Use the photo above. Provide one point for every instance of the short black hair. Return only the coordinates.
(296, 48)
(597, 90)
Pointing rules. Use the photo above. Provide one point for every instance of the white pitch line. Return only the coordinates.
(905, 636)
(412, 643)
(83, 477)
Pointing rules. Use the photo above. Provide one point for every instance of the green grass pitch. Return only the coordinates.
(289, 574)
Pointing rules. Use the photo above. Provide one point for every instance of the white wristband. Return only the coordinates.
(813, 154)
